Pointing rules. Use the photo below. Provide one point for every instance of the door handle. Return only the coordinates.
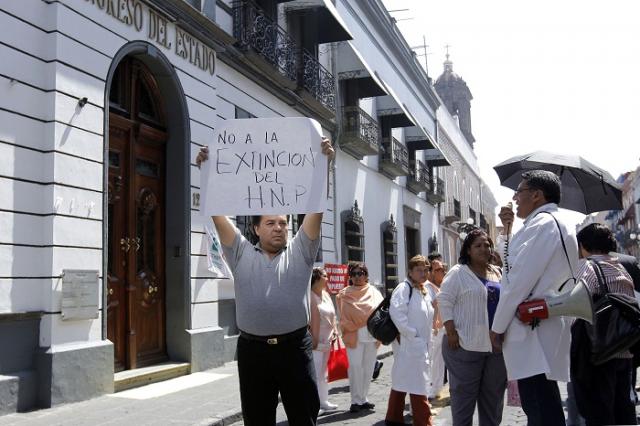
(125, 244)
(110, 292)
(137, 242)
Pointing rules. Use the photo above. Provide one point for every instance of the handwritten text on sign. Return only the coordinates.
(337, 277)
(265, 166)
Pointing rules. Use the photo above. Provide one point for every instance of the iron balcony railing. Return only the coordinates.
(254, 29)
(419, 179)
(361, 127)
(395, 157)
(435, 194)
(318, 81)
(438, 187)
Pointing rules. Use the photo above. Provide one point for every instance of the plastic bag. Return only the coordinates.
(215, 257)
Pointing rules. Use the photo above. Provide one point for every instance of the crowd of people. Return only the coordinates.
(463, 320)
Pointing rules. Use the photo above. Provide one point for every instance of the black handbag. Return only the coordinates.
(380, 324)
(616, 322)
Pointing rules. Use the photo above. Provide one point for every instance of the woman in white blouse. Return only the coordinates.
(323, 332)
(412, 312)
(467, 301)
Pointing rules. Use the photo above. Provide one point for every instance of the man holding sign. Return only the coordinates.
(271, 281)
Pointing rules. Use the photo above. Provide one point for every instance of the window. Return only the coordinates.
(390, 254)
(240, 113)
(353, 235)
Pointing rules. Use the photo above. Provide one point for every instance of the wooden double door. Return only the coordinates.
(136, 218)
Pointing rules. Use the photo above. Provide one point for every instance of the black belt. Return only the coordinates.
(276, 339)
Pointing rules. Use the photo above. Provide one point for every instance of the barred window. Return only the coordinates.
(353, 235)
(390, 254)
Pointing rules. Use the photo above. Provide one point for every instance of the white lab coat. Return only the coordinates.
(414, 319)
(538, 266)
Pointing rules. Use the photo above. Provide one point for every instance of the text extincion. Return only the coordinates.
(265, 166)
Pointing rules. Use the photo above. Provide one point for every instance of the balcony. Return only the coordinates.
(435, 194)
(451, 211)
(418, 179)
(629, 215)
(265, 43)
(394, 158)
(317, 81)
(360, 134)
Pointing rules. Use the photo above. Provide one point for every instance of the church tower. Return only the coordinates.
(456, 96)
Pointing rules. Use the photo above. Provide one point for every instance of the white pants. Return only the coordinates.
(320, 360)
(436, 374)
(362, 360)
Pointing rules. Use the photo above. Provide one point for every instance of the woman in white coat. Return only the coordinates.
(412, 312)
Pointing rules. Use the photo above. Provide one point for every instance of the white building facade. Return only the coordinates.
(104, 106)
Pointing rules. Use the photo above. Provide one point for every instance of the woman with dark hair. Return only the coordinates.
(323, 333)
(355, 303)
(603, 392)
(467, 302)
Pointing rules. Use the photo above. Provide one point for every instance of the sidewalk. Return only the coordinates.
(206, 398)
(212, 398)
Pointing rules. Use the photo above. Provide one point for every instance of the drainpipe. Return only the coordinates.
(336, 137)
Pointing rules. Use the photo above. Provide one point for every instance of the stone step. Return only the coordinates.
(129, 379)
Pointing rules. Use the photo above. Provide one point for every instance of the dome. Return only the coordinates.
(448, 75)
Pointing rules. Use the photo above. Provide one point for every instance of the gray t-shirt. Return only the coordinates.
(272, 295)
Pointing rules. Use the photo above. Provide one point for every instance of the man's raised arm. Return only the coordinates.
(226, 229)
(311, 225)
(312, 221)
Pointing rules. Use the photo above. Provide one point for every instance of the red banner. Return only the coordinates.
(337, 277)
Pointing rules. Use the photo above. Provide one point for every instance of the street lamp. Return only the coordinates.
(465, 228)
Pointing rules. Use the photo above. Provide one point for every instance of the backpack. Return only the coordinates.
(616, 322)
(379, 322)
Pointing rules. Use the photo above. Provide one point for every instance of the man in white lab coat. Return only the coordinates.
(535, 265)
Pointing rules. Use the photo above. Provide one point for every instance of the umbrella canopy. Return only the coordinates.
(586, 188)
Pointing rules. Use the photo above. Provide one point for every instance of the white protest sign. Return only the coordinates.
(265, 166)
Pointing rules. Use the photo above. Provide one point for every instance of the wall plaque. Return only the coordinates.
(80, 297)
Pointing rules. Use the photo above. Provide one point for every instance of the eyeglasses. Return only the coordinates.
(359, 274)
(519, 190)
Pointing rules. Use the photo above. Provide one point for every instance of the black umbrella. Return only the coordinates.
(586, 188)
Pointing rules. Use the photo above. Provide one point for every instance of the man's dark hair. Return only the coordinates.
(255, 221)
(434, 255)
(597, 238)
(547, 182)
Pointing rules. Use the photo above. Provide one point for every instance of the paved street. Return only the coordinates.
(378, 394)
(212, 398)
